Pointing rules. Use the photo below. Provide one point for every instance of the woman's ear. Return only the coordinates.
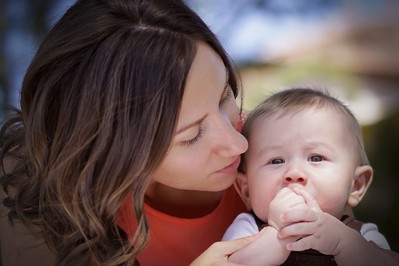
(361, 182)
(241, 186)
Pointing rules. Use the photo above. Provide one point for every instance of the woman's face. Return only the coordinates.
(205, 151)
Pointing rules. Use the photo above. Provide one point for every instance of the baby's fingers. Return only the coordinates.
(303, 243)
(298, 230)
(299, 215)
(309, 199)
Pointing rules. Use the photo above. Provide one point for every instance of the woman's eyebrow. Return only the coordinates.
(226, 84)
(185, 127)
(197, 122)
(226, 87)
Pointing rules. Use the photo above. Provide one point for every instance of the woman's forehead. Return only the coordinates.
(205, 85)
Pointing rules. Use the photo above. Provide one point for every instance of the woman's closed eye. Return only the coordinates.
(195, 139)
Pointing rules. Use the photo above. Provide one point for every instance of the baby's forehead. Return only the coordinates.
(273, 110)
(305, 122)
(310, 121)
(293, 112)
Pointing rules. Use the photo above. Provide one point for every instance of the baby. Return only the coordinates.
(305, 168)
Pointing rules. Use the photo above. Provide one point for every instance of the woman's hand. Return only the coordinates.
(219, 252)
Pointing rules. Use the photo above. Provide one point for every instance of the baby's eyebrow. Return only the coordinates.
(268, 149)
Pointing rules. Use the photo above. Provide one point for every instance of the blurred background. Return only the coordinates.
(349, 47)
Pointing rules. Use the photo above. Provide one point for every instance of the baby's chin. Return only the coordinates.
(262, 216)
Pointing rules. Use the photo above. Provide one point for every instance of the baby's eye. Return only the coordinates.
(277, 161)
(316, 158)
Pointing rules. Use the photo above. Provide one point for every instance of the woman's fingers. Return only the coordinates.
(219, 252)
(229, 247)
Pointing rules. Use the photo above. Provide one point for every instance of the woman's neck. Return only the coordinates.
(182, 203)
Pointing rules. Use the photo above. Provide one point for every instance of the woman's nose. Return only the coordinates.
(229, 141)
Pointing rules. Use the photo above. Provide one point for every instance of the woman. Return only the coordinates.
(125, 148)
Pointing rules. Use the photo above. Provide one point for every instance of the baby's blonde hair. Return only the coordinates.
(298, 99)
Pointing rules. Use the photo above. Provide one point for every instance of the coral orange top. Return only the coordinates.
(178, 241)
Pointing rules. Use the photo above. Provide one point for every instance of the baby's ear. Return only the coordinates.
(241, 185)
(361, 182)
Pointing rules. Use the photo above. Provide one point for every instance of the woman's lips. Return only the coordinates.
(231, 168)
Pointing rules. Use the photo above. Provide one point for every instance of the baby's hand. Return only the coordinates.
(315, 229)
(285, 200)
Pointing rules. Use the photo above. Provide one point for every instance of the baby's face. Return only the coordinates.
(310, 150)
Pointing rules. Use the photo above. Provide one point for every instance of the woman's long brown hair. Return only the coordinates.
(99, 104)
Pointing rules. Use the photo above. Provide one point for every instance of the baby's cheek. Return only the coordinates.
(335, 207)
(261, 209)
